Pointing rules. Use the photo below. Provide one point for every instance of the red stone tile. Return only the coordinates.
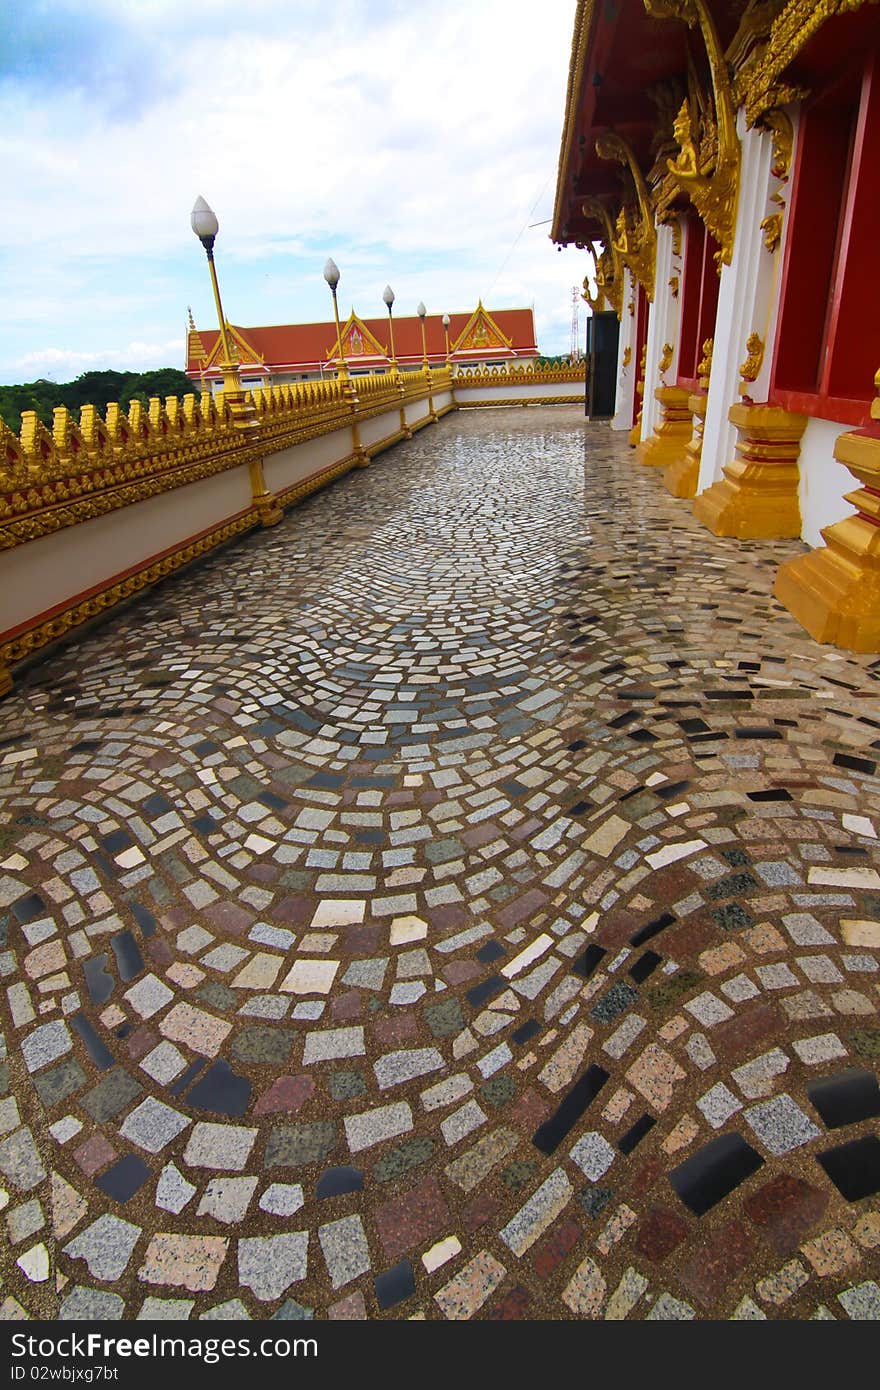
(529, 1110)
(412, 1219)
(388, 1031)
(479, 1211)
(450, 917)
(362, 941)
(176, 918)
(140, 1042)
(296, 909)
(480, 835)
(684, 942)
(348, 1005)
(644, 1178)
(717, 1263)
(526, 829)
(286, 1093)
(521, 908)
(552, 1251)
(513, 1306)
(159, 951)
(739, 1034)
(784, 1210)
(458, 971)
(661, 1232)
(618, 926)
(94, 1154)
(228, 918)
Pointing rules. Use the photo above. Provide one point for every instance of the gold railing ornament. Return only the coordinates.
(708, 164)
(634, 240)
(704, 366)
(609, 269)
(750, 370)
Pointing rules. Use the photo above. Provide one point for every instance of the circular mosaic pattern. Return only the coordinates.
(459, 901)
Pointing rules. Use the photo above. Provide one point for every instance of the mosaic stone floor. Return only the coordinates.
(459, 901)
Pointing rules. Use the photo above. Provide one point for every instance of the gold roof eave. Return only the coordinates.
(583, 25)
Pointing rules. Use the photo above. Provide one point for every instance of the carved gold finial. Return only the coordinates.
(750, 370)
(627, 357)
(665, 359)
(782, 130)
(704, 366)
(708, 163)
(772, 229)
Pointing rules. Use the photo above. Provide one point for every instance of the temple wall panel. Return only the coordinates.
(663, 325)
(627, 360)
(748, 300)
(823, 481)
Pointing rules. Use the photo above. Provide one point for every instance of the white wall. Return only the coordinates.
(823, 480)
(663, 325)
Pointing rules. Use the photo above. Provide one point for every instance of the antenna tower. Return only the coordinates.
(575, 347)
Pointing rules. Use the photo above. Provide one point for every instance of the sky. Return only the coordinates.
(413, 142)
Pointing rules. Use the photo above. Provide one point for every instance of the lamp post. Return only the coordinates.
(432, 414)
(331, 275)
(203, 221)
(446, 322)
(388, 296)
(205, 225)
(422, 311)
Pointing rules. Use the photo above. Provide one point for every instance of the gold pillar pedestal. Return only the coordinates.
(673, 432)
(757, 499)
(682, 476)
(264, 502)
(834, 591)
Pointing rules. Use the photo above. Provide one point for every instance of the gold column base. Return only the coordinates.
(757, 499)
(361, 459)
(681, 477)
(673, 432)
(270, 513)
(834, 592)
(5, 681)
(635, 433)
(264, 502)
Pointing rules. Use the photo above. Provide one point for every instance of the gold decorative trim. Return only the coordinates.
(635, 243)
(707, 171)
(583, 25)
(758, 87)
(523, 400)
(609, 268)
(31, 640)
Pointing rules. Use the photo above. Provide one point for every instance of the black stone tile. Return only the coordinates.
(644, 966)
(117, 841)
(97, 1050)
(486, 990)
(548, 1136)
(335, 1182)
(395, 1285)
(124, 1179)
(188, 1076)
(99, 983)
(588, 960)
(854, 1168)
(855, 764)
(651, 929)
(761, 734)
(846, 1098)
(526, 1031)
(493, 950)
(29, 908)
(144, 918)
(129, 961)
(613, 1002)
(580, 808)
(714, 1171)
(595, 1199)
(221, 1091)
(636, 1133)
(770, 794)
(671, 789)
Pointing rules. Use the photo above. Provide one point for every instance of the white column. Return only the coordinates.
(626, 375)
(663, 322)
(748, 299)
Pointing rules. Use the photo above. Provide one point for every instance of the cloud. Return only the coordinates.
(411, 144)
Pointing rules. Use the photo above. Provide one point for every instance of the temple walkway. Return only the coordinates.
(460, 900)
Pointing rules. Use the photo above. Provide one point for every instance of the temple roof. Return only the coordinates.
(308, 346)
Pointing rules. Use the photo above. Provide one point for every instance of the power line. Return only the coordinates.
(518, 236)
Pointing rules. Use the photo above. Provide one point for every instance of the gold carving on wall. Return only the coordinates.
(609, 269)
(635, 239)
(708, 163)
(772, 228)
(665, 359)
(750, 370)
(704, 366)
(627, 357)
(673, 285)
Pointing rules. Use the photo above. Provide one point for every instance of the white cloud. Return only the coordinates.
(411, 144)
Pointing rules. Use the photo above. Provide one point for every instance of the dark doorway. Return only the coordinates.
(603, 331)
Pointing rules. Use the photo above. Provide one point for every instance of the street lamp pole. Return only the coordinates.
(446, 322)
(388, 297)
(205, 225)
(432, 414)
(331, 275)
